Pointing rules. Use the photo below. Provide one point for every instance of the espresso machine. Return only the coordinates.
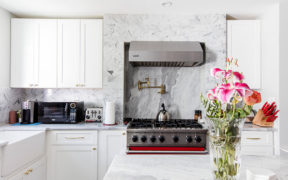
(29, 112)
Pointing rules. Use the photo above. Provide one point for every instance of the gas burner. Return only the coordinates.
(174, 123)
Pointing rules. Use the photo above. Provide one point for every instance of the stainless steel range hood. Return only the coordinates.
(167, 53)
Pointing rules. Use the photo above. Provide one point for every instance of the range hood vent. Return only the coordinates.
(166, 53)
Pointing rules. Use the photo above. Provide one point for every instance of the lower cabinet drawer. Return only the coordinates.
(73, 137)
(257, 138)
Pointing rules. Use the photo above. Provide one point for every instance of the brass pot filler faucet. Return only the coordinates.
(147, 82)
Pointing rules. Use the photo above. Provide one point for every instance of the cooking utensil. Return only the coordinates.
(163, 115)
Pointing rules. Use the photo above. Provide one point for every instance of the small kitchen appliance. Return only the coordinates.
(163, 115)
(60, 112)
(176, 136)
(29, 112)
(94, 114)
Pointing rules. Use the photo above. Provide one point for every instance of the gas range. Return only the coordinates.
(177, 136)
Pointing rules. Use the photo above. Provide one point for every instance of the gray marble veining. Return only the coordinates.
(183, 85)
(10, 99)
(185, 167)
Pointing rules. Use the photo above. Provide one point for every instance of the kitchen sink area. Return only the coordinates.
(20, 148)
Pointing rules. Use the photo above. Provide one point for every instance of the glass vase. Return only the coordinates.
(225, 147)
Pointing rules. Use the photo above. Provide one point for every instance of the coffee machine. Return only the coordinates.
(29, 112)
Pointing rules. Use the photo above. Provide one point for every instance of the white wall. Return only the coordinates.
(4, 48)
(283, 72)
(270, 62)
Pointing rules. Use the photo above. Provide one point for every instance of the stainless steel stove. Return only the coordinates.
(168, 137)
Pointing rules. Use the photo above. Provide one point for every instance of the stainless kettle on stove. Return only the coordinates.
(163, 115)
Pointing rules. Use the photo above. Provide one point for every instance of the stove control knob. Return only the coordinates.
(134, 138)
(143, 138)
(152, 138)
(198, 139)
(175, 139)
(161, 139)
(189, 139)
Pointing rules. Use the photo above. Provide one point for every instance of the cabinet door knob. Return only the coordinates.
(30, 170)
(26, 172)
(123, 133)
(94, 149)
(77, 85)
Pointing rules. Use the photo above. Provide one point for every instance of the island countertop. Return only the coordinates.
(185, 167)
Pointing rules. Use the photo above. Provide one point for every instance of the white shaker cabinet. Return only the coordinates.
(111, 143)
(51, 53)
(91, 53)
(244, 44)
(80, 53)
(33, 53)
(36, 171)
(68, 53)
(72, 155)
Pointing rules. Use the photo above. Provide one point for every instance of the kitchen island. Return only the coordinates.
(185, 167)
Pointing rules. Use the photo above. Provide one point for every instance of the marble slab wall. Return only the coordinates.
(183, 85)
(10, 100)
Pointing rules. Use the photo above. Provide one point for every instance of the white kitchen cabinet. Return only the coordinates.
(91, 53)
(244, 44)
(33, 53)
(51, 53)
(72, 155)
(80, 53)
(111, 143)
(73, 163)
(257, 143)
(36, 171)
(68, 53)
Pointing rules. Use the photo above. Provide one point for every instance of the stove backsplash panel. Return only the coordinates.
(183, 85)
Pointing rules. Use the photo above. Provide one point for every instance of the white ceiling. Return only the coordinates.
(94, 8)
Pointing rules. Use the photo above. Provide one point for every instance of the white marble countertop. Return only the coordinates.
(184, 167)
(252, 127)
(3, 143)
(47, 127)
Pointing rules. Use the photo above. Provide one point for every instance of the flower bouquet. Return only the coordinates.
(227, 105)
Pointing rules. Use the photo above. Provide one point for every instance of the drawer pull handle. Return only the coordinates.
(30, 170)
(253, 138)
(74, 137)
(27, 172)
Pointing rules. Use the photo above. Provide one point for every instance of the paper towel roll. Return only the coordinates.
(109, 113)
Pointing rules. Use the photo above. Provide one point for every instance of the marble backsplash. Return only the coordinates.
(183, 85)
(10, 100)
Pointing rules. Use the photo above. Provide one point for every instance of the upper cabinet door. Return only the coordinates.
(91, 53)
(244, 44)
(33, 53)
(47, 59)
(69, 53)
(24, 52)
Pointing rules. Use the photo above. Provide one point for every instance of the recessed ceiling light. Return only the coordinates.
(167, 4)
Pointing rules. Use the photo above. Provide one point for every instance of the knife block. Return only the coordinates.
(260, 119)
